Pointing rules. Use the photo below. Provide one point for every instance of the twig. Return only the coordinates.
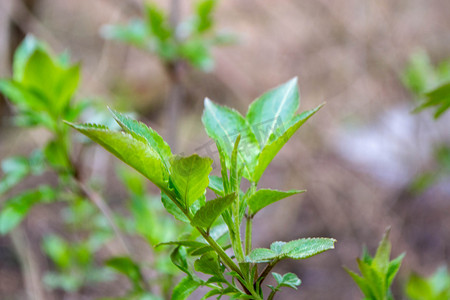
(106, 211)
(30, 269)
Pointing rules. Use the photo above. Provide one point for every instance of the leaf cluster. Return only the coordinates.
(378, 272)
(191, 40)
(246, 146)
(435, 287)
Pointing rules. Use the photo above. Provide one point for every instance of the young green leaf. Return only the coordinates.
(377, 273)
(16, 208)
(142, 131)
(224, 125)
(208, 263)
(133, 152)
(288, 280)
(173, 209)
(129, 268)
(186, 287)
(440, 98)
(134, 33)
(278, 140)
(207, 214)
(189, 176)
(435, 287)
(203, 17)
(265, 197)
(297, 249)
(14, 169)
(273, 109)
(22, 54)
(216, 185)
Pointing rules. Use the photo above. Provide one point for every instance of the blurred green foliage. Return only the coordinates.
(191, 40)
(378, 272)
(435, 287)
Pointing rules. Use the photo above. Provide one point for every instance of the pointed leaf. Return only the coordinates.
(127, 267)
(278, 139)
(265, 197)
(141, 131)
(173, 209)
(208, 263)
(362, 284)
(190, 176)
(272, 109)
(130, 150)
(382, 256)
(304, 248)
(216, 185)
(224, 125)
(207, 214)
(183, 289)
(393, 268)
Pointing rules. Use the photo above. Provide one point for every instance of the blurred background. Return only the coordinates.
(362, 158)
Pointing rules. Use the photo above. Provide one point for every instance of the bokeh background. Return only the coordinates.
(357, 157)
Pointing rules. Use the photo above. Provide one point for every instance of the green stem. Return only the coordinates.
(272, 294)
(266, 272)
(249, 223)
(237, 245)
(248, 235)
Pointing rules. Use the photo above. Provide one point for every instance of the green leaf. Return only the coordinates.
(419, 75)
(134, 33)
(439, 97)
(173, 209)
(208, 263)
(158, 23)
(185, 243)
(304, 248)
(288, 280)
(297, 249)
(127, 267)
(197, 53)
(216, 185)
(28, 46)
(23, 98)
(58, 250)
(179, 259)
(260, 255)
(183, 289)
(362, 284)
(393, 268)
(278, 139)
(16, 208)
(271, 110)
(45, 77)
(14, 169)
(204, 20)
(207, 214)
(265, 197)
(141, 131)
(224, 125)
(381, 259)
(189, 175)
(131, 151)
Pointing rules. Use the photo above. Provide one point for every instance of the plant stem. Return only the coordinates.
(237, 245)
(266, 272)
(272, 294)
(248, 235)
(249, 223)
